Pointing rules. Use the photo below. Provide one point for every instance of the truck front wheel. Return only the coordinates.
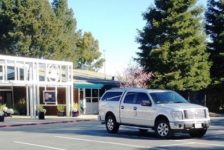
(111, 124)
(162, 129)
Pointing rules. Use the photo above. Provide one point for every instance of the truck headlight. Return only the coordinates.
(177, 115)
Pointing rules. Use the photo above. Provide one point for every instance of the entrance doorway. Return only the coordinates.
(6, 96)
(89, 101)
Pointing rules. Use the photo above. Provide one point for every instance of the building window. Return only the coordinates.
(88, 93)
(92, 95)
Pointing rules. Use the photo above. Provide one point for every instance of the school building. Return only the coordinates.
(26, 83)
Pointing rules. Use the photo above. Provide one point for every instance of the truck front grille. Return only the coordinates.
(195, 114)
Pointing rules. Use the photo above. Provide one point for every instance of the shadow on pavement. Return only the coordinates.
(95, 129)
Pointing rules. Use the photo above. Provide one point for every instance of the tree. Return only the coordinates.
(68, 36)
(134, 76)
(39, 29)
(28, 28)
(88, 53)
(83, 50)
(172, 46)
(215, 30)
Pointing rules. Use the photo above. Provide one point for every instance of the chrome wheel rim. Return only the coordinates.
(110, 124)
(163, 129)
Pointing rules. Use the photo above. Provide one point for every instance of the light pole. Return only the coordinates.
(104, 55)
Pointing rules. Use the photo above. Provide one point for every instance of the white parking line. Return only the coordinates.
(202, 143)
(36, 145)
(210, 144)
(102, 142)
(160, 147)
(168, 145)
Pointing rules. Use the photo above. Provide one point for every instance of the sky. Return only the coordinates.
(114, 23)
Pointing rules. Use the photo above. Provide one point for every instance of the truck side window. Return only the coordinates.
(112, 96)
(142, 97)
(130, 97)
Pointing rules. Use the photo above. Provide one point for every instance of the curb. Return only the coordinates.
(48, 122)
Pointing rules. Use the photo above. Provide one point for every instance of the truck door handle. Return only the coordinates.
(122, 107)
(135, 108)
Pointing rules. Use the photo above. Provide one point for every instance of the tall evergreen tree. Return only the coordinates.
(35, 28)
(83, 48)
(28, 28)
(68, 36)
(215, 30)
(172, 46)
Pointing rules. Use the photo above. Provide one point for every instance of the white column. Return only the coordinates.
(56, 95)
(31, 101)
(13, 100)
(3, 72)
(27, 101)
(71, 87)
(72, 96)
(15, 71)
(34, 100)
(6, 71)
(38, 94)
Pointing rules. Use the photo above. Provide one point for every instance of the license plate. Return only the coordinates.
(198, 125)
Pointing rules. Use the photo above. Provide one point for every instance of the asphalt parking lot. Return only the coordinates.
(92, 135)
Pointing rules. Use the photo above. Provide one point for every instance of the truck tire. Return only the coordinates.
(111, 124)
(198, 133)
(162, 129)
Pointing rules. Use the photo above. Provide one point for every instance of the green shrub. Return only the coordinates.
(61, 108)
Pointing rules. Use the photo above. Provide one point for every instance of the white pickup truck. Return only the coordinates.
(164, 111)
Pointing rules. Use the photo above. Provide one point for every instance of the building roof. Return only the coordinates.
(88, 77)
(91, 74)
(139, 90)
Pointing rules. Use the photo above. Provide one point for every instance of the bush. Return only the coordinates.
(41, 109)
(61, 108)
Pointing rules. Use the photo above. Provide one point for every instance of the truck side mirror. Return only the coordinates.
(146, 103)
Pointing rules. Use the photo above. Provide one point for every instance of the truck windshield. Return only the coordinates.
(167, 97)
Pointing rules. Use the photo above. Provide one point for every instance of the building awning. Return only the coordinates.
(88, 85)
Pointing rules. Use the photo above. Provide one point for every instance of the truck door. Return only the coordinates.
(127, 112)
(144, 110)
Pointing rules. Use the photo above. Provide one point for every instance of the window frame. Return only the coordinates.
(106, 99)
(150, 101)
(134, 99)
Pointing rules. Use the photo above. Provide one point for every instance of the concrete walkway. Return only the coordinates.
(27, 120)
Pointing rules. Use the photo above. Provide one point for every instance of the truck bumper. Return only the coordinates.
(187, 125)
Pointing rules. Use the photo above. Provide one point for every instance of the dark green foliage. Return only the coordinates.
(215, 30)
(35, 28)
(27, 28)
(173, 46)
(68, 36)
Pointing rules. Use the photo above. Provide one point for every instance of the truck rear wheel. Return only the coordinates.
(162, 129)
(111, 124)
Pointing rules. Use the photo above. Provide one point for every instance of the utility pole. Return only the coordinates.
(104, 55)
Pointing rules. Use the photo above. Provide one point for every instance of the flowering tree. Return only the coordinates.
(134, 77)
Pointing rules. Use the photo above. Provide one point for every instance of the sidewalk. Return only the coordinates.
(27, 120)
